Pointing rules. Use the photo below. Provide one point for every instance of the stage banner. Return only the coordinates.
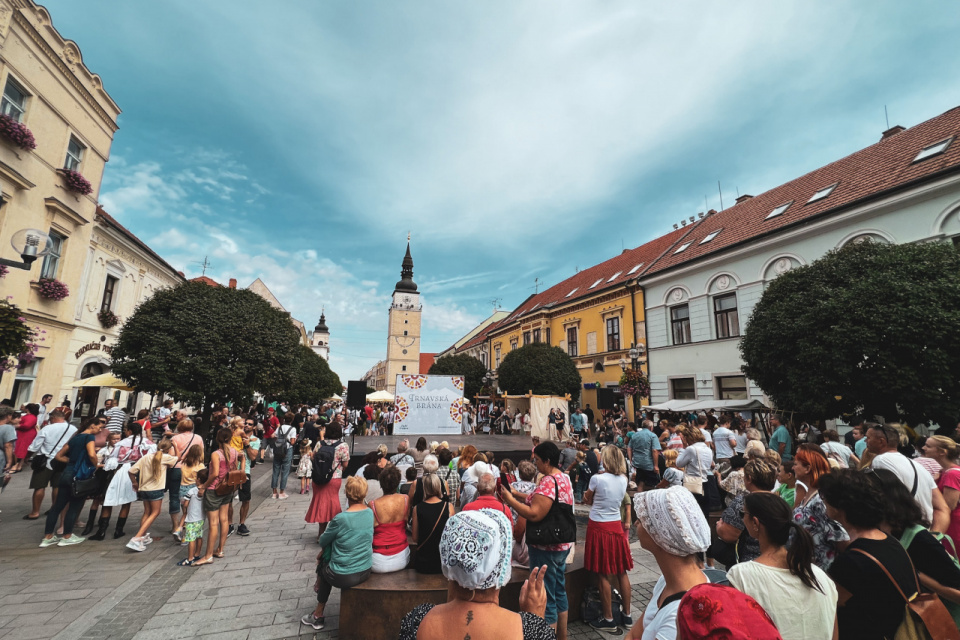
(428, 405)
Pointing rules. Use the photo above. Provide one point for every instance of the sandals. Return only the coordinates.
(200, 563)
(219, 554)
(186, 562)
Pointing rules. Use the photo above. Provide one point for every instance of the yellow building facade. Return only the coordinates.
(403, 333)
(48, 89)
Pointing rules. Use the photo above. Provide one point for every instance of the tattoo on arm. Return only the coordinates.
(469, 620)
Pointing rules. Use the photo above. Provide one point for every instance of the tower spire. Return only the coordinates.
(406, 282)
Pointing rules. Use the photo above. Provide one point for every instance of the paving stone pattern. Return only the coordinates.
(259, 591)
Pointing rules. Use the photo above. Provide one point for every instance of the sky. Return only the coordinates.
(300, 142)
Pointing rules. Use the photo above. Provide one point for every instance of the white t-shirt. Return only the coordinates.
(721, 441)
(841, 449)
(660, 624)
(608, 494)
(742, 440)
(706, 435)
(909, 471)
(194, 506)
(800, 613)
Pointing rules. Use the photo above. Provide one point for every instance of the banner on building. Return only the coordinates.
(428, 405)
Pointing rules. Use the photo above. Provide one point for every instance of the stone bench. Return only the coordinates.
(374, 609)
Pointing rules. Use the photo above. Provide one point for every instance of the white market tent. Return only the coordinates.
(703, 405)
(380, 396)
(334, 398)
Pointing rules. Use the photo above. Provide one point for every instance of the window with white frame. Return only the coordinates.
(725, 315)
(572, 341)
(683, 389)
(680, 323)
(822, 193)
(933, 150)
(74, 155)
(51, 261)
(732, 387)
(779, 210)
(14, 101)
(109, 294)
(496, 352)
(514, 343)
(23, 383)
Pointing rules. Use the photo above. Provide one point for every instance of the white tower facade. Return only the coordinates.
(321, 338)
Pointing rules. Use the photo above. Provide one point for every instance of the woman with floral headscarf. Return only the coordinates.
(475, 557)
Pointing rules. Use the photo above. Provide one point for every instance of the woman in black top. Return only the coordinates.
(79, 449)
(870, 605)
(938, 571)
(429, 518)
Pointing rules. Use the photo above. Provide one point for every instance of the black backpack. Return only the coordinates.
(324, 463)
(281, 441)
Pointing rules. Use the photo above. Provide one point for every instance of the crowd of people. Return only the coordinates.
(818, 535)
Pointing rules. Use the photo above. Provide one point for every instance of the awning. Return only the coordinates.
(670, 405)
(334, 397)
(703, 405)
(103, 380)
(380, 396)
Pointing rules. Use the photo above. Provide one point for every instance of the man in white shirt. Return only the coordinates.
(724, 442)
(48, 443)
(882, 440)
(44, 416)
(707, 436)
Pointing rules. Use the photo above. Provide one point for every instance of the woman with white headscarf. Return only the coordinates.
(671, 526)
(475, 557)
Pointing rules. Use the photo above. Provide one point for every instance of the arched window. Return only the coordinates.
(598, 367)
(92, 369)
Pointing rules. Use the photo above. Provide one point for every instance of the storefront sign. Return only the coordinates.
(94, 346)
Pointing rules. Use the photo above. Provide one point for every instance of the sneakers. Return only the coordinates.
(146, 539)
(626, 622)
(242, 530)
(283, 496)
(230, 530)
(49, 542)
(72, 540)
(600, 624)
(310, 621)
(178, 535)
(136, 544)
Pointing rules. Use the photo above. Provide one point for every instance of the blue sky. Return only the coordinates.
(300, 141)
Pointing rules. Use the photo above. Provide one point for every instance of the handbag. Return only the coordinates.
(40, 461)
(925, 615)
(559, 525)
(234, 478)
(694, 484)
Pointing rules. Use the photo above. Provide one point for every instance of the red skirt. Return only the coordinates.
(607, 549)
(325, 503)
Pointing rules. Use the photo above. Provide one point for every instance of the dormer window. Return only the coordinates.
(822, 193)
(933, 150)
(596, 283)
(572, 292)
(614, 276)
(711, 236)
(779, 210)
(682, 248)
(635, 269)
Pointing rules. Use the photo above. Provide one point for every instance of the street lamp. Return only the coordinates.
(636, 352)
(30, 244)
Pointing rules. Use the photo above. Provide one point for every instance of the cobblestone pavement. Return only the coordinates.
(259, 591)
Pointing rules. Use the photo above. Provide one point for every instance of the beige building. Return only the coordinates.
(261, 289)
(403, 340)
(48, 91)
(121, 271)
(376, 377)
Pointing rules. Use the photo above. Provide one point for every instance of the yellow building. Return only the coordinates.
(49, 91)
(403, 340)
(596, 316)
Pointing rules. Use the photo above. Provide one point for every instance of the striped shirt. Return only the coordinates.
(115, 419)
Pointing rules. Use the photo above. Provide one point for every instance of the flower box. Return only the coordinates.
(76, 182)
(17, 133)
(108, 319)
(52, 289)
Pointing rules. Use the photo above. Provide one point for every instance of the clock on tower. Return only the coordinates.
(403, 342)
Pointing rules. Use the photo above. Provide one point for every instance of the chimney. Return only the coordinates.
(744, 198)
(712, 212)
(233, 283)
(892, 131)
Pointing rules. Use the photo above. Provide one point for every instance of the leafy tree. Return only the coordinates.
(18, 342)
(205, 345)
(461, 365)
(540, 368)
(370, 390)
(310, 379)
(870, 328)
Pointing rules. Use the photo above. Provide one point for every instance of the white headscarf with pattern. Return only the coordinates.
(674, 520)
(475, 549)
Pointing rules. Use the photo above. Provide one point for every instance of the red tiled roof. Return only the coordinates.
(481, 336)
(870, 172)
(207, 281)
(611, 273)
(110, 220)
(426, 361)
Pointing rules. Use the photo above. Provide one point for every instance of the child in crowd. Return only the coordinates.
(733, 483)
(788, 482)
(672, 477)
(508, 471)
(149, 478)
(305, 468)
(410, 475)
(190, 466)
(193, 524)
(583, 476)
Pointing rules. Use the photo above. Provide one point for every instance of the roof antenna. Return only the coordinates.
(738, 192)
(886, 115)
(205, 264)
(721, 195)
(536, 285)
(706, 207)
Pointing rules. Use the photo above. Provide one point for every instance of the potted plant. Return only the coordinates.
(4, 271)
(633, 383)
(108, 319)
(17, 133)
(18, 342)
(52, 289)
(76, 182)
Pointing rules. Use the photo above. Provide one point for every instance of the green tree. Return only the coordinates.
(18, 342)
(310, 379)
(540, 368)
(205, 345)
(871, 329)
(469, 367)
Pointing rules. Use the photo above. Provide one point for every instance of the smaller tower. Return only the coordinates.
(321, 338)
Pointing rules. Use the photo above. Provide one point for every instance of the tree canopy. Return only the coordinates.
(540, 368)
(311, 379)
(469, 367)
(871, 329)
(203, 344)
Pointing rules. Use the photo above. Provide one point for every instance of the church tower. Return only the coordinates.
(321, 338)
(403, 342)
